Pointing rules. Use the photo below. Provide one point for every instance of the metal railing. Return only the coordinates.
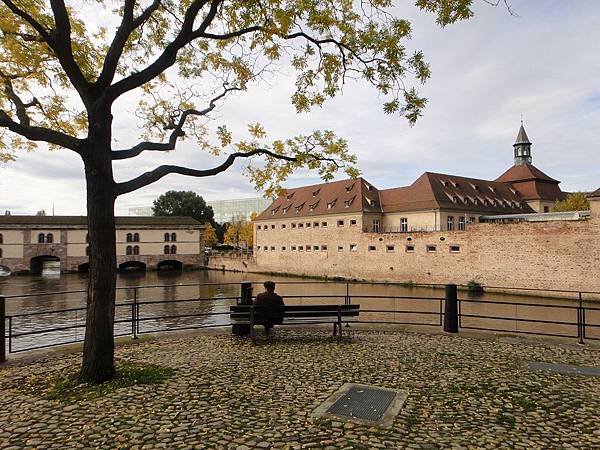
(139, 314)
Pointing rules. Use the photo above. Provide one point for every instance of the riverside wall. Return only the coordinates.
(544, 255)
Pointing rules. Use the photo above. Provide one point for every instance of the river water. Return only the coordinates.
(32, 302)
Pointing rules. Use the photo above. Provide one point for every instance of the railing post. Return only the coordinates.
(451, 310)
(2, 329)
(246, 293)
(134, 314)
(580, 322)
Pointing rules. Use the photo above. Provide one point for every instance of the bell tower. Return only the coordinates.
(522, 148)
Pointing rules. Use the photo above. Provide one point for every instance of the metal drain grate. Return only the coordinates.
(565, 369)
(369, 405)
(363, 403)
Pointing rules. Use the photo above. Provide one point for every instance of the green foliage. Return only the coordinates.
(575, 201)
(475, 287)
(66, 387)
(183, 203)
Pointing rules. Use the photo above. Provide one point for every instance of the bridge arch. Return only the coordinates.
(38, 264)
(169, 264)
(132, 266)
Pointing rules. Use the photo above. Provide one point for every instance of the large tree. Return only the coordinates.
(183, 203)
(575, 201)
(60, 77)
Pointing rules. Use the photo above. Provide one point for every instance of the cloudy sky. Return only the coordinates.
(543, 65)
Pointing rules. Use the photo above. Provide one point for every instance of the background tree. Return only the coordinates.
(210, 236)
(575, 201)
(237, 233)
(250, 229)
(60, 77)
(183, 203)
(41, 212)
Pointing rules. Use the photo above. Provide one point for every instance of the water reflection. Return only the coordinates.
(208, 304)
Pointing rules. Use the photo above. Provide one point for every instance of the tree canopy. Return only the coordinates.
(576, 201)
(183, 203)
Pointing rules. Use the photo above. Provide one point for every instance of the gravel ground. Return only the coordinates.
(463, 393)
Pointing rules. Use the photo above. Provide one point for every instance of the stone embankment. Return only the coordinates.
(464, 393)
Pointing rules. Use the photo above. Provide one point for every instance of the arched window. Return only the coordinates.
(173, 249)
(166, 250)
(129, 237)
(41, 238)
(167, 237)
(136, 237)
(173, 237)
(129, 250)
(87, 251)
(1, 239)
(136, 249)
(49, 238)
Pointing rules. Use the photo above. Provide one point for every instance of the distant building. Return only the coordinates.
(141, 211)
(236, 209)
(31, 242)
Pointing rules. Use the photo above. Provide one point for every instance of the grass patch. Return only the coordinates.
(67, 387)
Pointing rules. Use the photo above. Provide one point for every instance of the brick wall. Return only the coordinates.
(556, 255)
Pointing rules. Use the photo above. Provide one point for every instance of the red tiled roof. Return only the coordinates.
(351, 195)
(524, 172)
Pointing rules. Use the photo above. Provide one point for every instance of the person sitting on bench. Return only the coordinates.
(270, 298)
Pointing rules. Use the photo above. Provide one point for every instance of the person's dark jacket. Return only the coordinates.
(273, 300)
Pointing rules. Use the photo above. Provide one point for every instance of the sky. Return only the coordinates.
(541, 64)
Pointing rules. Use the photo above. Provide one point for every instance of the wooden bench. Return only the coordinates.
(252, 315)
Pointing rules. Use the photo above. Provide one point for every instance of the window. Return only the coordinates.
(410, 248)
(308, 248)
(316, 225)
(467, 200)
(471, 219)
(455, 199)
(285, 210)
(513, 205)
(49, 238)
(486, 202)
(476, 187)
(167, 250)
(340, 248)
(313, 206)
(173, 237)
(298, 208)
(167, 237)
(455, 249)
(349, 188)
(266, 249)
(450, 223)
(272, 248)
(389, 248)
(315, 193)
(129, 250)
(376, 225)
(504, 203)
(300, 225)
(372, 248)
(289, 196)
(323, 248)
(300, 248)
(431, 249)
(136, 237)
(352, 221)
(272, 227)
(330, 204)
(41, 238)
(129, 237)
(324, 224)
(308, 224)
(546, 209)
(353, 247)
(283, 225)
(136, 249)
(461, 223)
(293, 248)
(445, 183)
(293, 225)
(1, 239)
(404, 224)
(316, 248)
(283, 248)
(257, 248)
(476, 201)
(340, 223)
(373, 202)
(257, 227)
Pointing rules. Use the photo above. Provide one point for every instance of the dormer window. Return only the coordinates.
(455, 199)
(456, 185)
(445, 183)
(347, 203)
(504, 204)
(486, 202)
(476, 201)
(313, 206)
(496, 203)
(315, 193)
(467, 200)
(493, 189)
(373, 202)
(476, 187)
(331, 204)
(513, 205)
(299, 207)
(349, 188)
(285, 210)
(289, 196)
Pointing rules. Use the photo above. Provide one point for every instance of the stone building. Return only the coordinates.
(430, 231)
(32, 243)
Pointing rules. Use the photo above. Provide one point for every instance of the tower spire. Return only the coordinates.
(522, 147)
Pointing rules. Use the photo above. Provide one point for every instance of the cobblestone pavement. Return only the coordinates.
(463, 393)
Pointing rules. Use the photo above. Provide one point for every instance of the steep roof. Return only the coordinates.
(451, 192)
(350, 195)
(525, 172)
(82, 220)
(594, 194)
(522, 137)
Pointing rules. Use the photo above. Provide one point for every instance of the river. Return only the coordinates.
(219, 289)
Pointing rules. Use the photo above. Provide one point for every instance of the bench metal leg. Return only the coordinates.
(339, 324)
(335, 328)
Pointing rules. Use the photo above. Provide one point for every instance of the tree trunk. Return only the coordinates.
(98, 349)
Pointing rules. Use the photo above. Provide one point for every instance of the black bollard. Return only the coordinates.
(451, 310)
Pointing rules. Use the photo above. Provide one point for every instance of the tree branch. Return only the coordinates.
(34, 133)
(20, 106)
(128, 25)
(175, 134)
(162, 171)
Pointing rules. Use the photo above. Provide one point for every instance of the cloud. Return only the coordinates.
(486, 73)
